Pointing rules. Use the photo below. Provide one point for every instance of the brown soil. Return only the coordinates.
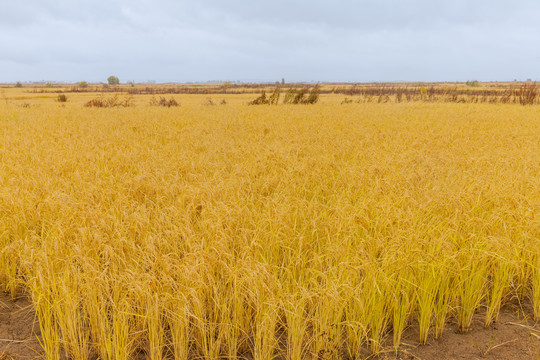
(18, 329)
(512, 337)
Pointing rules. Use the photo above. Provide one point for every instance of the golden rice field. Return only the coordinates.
(265, 232)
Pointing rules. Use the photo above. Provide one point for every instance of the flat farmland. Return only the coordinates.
(215, 229)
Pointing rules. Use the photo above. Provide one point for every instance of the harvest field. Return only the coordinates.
(219, 230)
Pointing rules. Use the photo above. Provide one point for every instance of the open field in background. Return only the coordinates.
(294, 231)
(524, 93)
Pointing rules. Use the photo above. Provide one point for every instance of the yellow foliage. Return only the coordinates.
(216, 231)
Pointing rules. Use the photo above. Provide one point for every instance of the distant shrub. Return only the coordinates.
(209, 102)
(383, 99)
(97, 102)
(18, 84)
(83, 84)
(49, 85)
(313, 95)
(274, 98)
(303, 97)
(162, 101)
(127, 101)
(113, 101)
(399, 95)
(527, 93)
(292, 96)
(289, 96)
(62, 98)
(473, 83)
(223, 102)
(300, 96)
(346, 101)
(263, 100)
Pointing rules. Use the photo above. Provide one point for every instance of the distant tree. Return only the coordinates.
(113, 80)
(18, 84)
(282, 81)
(83, 84)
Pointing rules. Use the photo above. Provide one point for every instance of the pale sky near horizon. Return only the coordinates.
(299, 40)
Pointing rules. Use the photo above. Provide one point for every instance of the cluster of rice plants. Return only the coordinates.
(62, 98)
(112, 101)
(163, 101)
(293, 96)
(273, 99)
(243, 232)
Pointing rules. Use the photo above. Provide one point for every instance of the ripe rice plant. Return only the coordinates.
(264, 232)
(291, 97)
(163, 102)
(113, 101)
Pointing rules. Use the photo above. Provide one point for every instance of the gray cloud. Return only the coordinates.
(346, 40)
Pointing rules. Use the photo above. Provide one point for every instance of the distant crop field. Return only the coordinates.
(194, 226)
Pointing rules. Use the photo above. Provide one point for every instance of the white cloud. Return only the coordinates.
(369, 40)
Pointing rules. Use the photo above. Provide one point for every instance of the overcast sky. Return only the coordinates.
(253, 40)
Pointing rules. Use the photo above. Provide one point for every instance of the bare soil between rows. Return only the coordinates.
(19, 329)
(513, 336)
